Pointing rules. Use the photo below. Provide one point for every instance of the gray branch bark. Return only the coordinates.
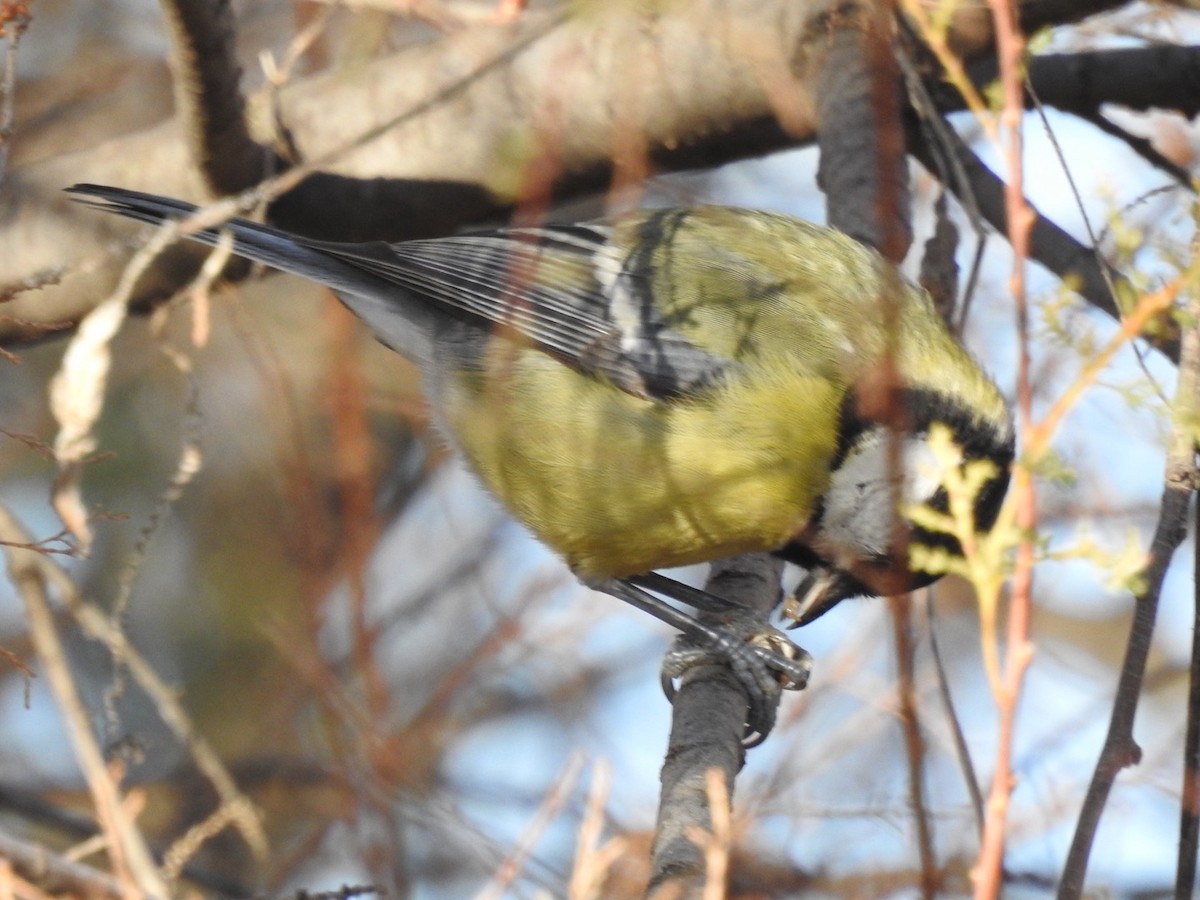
(541, 101)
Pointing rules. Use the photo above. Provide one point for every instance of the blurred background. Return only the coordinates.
(415, 693)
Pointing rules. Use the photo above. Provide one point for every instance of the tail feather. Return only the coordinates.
(398, 319)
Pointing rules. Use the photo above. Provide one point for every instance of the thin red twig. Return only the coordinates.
(1010, 45)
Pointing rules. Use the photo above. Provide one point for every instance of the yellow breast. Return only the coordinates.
(620, 485)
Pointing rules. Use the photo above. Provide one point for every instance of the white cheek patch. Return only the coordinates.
(860, 515)
(923, 470)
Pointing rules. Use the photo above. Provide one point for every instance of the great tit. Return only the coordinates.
(673, 386)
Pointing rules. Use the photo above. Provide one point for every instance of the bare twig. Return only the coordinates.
(50, 871)
(1189, 805)
(188, 464)
(167, 703)
(914, 743)
(1010, 45)
(1120, 749)
(593, 859)
(77, 390)
(962, 752)
(96, 625)
(551, 805)
(131, 857)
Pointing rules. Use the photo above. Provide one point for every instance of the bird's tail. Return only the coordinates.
(261, 243)
(396, 318)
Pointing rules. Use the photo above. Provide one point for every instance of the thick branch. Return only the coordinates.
(1162, 76)
(208, 96)
(1093, 279)
(1137, 78)
(863, 169)
(514, 109)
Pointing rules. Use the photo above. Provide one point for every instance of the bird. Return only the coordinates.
(673, 386)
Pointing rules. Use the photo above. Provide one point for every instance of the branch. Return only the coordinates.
(1162, 76)
(208, 97)
(496, 110)
(1189, 795)
(1091, 277)
(707, 728)
(1120, 749)
(863, 168)
(900, 609)
(1138, 78)
(55, 874)
(131, 857)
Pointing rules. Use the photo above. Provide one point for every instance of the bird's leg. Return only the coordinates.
(685, 593)
(762, 658)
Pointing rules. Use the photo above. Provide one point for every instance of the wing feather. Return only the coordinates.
(572, 291)
(582, 293)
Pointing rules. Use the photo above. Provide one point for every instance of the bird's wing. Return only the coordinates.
(573, 291)
(576, 292)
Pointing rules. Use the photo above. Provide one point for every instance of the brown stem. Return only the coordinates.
(1189, 806)
(1120, 749)
(1010, 48)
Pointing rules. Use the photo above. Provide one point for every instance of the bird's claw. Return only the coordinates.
(762, 659)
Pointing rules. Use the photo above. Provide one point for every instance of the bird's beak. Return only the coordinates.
(811, 597)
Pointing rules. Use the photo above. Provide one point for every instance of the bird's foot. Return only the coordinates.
(761, 658)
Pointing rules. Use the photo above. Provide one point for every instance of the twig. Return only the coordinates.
(914, 744)
(1010, 48)
(550, 807)
(189, 463)
(14, 19)
(1189, 805)
(961, 751)
(1076, 194)
(1091, 277)
(77, 389)
(52, 872)
(131, 857)
(593, 859)
(936, 35)
(1120, 749)
(97, 626)
(167, 703)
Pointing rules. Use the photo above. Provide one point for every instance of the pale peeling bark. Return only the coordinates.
(505, 110)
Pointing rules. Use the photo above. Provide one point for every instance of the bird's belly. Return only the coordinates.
(620, 485)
